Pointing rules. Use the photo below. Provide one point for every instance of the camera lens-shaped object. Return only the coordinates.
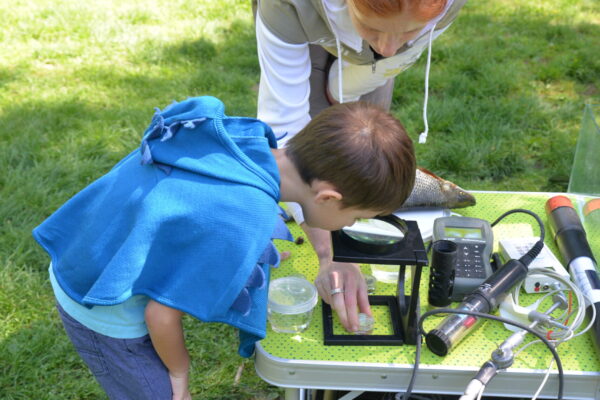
(441, 273)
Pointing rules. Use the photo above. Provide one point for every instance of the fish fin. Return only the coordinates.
(428, 172)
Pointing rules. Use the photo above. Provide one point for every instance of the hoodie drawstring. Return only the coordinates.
(339, 53)
(423, 135)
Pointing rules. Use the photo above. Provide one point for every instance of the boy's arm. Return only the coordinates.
(166, 331)
(334, 275)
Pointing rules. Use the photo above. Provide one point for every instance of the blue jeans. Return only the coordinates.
(127, 369)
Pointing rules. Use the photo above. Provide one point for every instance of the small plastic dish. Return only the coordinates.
(365, 324)
(291, 303)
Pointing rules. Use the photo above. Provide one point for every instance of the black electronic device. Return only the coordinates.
(474, 240)
(441, 273)
(484, 299)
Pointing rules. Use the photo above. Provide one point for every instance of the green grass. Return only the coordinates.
(79, 81)
(509, 81)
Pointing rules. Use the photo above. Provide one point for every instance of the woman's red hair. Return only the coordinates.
(421, 9)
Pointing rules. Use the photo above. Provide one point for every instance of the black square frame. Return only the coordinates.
(395, 339)
(404, 309)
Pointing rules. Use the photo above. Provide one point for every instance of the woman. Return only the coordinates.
(299, 43)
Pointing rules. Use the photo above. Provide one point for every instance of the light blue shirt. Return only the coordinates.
(121, 321)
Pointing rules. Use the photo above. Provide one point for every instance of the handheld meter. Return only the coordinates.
(474, 240)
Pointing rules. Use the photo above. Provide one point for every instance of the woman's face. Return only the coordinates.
(385, 34)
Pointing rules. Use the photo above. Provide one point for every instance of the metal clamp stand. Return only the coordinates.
(404, 309)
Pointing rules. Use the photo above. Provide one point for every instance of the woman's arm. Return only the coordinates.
(284, 82)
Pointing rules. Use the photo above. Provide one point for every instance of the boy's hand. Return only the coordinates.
(180, 385)
(342, 286)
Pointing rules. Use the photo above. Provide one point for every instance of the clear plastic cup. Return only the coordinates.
(291, 303)
(385, 273)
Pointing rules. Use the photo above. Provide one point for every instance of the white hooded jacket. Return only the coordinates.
(283, 100)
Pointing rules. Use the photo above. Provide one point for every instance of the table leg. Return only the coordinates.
(295, 394)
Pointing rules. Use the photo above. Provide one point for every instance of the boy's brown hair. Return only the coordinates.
(362, 150)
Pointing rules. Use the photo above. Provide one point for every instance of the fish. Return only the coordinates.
(432, 191)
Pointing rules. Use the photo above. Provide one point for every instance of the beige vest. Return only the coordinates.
(302, 21)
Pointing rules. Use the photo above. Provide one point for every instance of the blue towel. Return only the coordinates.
(184, 220)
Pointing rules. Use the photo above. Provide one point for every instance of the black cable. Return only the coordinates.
(411, 384)
(536, 249)
(506, 321)
(496, 262)
(406, 395)
(534, 215)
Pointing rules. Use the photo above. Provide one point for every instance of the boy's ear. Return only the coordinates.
(325, 191)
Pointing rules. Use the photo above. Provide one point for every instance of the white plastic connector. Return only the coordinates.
(534, 283)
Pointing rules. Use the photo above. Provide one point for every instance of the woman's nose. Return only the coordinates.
(388, 46)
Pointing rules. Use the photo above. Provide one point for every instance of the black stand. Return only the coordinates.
(404, 309)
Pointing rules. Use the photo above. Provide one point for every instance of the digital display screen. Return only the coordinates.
(466, 233)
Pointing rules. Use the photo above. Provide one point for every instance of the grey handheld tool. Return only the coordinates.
(474, 239)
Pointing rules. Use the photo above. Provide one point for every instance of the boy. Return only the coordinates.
(184, 225)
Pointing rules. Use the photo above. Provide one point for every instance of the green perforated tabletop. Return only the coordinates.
(303, 361)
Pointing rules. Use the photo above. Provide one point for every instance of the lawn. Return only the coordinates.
(79, 81)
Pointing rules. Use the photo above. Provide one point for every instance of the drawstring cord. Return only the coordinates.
(339, 53)
(423, 135)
